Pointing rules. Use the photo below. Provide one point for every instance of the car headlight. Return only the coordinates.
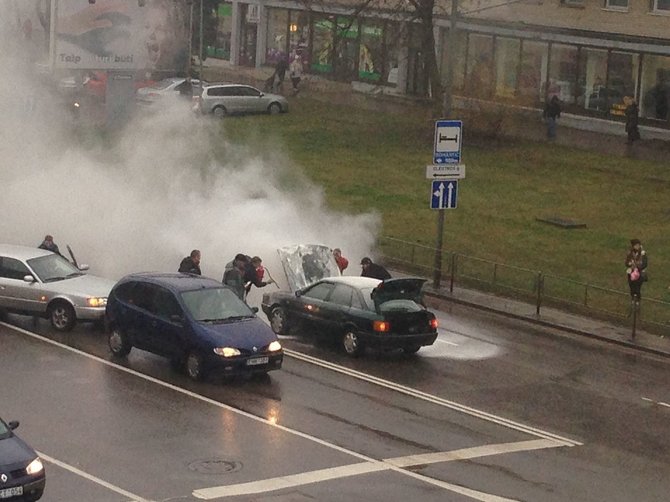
(35, 467)
(226, 351)
(96, 302)
(274, 346)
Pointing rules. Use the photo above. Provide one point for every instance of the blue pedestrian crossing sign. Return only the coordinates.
(444, 194)
(448, 141)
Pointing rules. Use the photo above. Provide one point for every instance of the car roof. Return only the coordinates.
(22, 252)
(174, 281)
(354, 281)
(227, 84)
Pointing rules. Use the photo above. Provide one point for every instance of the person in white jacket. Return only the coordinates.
(295, 70)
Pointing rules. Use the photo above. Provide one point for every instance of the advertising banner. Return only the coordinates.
(120, 35)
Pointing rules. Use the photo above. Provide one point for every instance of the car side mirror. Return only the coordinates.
(83, 267)
(261, 95)
(13, 424)
(28, 278)
(254, 310)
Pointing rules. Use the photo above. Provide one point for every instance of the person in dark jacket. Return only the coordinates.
(234, 273)
(632, 120)
(254, 273)
(636, 268)
(373, 270)
(552, 111)
(191, 264)
(280, 74)
(49, 244)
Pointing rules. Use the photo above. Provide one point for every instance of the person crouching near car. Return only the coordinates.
(636, 263)
(374, 270)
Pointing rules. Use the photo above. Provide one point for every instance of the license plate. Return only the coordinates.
(254, 361)
(11, 492)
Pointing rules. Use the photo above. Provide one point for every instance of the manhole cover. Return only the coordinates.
(215, 466)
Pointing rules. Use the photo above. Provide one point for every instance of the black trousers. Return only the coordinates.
(635, 287)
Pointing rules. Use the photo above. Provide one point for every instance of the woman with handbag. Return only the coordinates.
(636, 263)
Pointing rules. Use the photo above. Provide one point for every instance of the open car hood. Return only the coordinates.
(305, 264)
(399, 289)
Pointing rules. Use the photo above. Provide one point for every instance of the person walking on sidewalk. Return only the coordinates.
(296, 73)
(632, 120)
(552, 111)
(636, 269)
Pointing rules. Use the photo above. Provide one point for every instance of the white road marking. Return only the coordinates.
(660, 403)
(292, 481)
(482, 497)
(432, 399)
(447, 342)
(94, 479)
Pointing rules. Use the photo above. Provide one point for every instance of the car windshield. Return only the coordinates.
(163, 84)
(215, 305)
(52, 267)
(4, 430)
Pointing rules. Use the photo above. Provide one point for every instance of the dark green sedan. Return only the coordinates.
(358, 312)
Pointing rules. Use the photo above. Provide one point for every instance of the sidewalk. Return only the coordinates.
(593, 328)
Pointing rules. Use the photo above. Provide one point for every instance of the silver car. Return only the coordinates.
(167, 88)
(225, 99)
(40, 283)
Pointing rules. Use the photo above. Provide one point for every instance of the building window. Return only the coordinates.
(276, 42)
(655, 86)
(507, 53)
(592, 90)
(479, 69)
(616, 4)
(563, 73)
(322, 47)
(371, 51)
(532, 72)
(577, 3)
(224, 27)
(660, 5)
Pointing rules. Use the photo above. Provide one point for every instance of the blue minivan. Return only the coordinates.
(196, 322)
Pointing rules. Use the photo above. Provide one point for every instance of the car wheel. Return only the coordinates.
(62, 316)
(278, 321)
(274, 109)
(118, 342)
(352, 344)
(412, 350)
(220, 112)
(195, 367)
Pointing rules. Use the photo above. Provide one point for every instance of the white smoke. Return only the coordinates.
(166, 184)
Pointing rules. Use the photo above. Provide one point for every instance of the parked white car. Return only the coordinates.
(40, 283)
(228, 99)
(169, 87)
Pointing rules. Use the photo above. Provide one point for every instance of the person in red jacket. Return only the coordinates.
(342, 262)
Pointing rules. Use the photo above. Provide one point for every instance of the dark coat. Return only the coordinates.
(50, 246)
(552, 109)
(188, 266)
(376, 272)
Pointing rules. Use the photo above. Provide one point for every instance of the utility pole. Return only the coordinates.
(190, 39)
(447, 104)
(201, 23)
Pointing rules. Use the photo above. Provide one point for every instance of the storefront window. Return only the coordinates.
(346, 48)
(621, 81)
(371, 52)
(655, 86)
(479, 81)
(563, 73)
(322, 47)
(299, 37)
(533, 72)
(393, 36)
(276, 36)
(592, 93)
(224, 29)
(507, 66)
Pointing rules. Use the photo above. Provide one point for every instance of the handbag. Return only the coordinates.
(635, 274)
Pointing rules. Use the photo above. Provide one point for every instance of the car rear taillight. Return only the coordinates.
(381, 326)
(433, 323)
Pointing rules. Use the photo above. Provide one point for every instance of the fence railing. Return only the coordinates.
(533, 286)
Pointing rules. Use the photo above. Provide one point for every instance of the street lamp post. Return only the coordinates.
(201, 30)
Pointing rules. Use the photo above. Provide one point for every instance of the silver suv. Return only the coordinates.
(225, 99)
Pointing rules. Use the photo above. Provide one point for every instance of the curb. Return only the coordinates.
(624, 343)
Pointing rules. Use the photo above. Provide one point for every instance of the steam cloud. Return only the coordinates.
(144, 201)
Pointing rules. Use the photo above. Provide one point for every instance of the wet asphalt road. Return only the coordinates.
(497, 409)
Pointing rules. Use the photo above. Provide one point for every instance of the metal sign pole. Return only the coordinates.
(437, 267)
